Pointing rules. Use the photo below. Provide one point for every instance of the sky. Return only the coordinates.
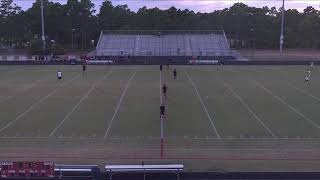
(195, 5)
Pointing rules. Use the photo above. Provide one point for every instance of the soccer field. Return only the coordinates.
(217, 117)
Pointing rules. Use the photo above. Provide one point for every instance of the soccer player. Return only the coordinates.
(168, 66)
(307, 76)
(308, 73)
(312, 65)
(84, 68)
(160, 67)
(175, 74)
(59, 74)
(164, 90)
(162, 111)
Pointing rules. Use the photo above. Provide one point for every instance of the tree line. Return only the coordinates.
(78, 24)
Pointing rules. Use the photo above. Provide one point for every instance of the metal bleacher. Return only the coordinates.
(163, 44)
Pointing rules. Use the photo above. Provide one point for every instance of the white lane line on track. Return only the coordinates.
(288, 105)
(245, 105)
(203, 105)
(37, 103)
(75, 107)
(119, 103)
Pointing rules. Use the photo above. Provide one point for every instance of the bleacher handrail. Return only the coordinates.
(136, 168)
(154, 32)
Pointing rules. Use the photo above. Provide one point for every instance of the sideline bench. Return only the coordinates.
(173, 168)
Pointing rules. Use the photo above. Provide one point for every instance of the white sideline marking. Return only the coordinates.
(160, 88)
(304, 92)
(203, 105)
(285, 103)
(119, 103)
(37, 103)
(84, 97)
(244, 104)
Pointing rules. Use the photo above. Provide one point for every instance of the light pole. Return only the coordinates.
(42, 28)
(73, 30)
(282, 22)
(252, 31)
(252, 43)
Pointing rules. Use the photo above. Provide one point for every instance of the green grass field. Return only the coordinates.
(225, 118)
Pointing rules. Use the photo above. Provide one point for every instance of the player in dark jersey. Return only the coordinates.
(175, 74)
(84, 68)
(164, 90)
(160, 67)
(162, 111)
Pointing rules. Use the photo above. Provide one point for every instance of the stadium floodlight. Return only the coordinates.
(42, 28)
(282, 22)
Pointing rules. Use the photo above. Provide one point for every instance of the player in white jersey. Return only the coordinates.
(306, 78)
(59, 74)
(312, 65)
(308, 73)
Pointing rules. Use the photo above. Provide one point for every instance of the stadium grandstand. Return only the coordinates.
(163, 45)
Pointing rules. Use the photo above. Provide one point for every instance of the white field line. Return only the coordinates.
(191, 149)
(304, 92)
(6, 99)
(14, 71)
(3, 97)
(208, 139)
(285, 103)
(35, 83)
(289, 106)
(37, 103)
(244, 104)
(119, 103)
(203, 105)
(75, 107)
(160, 88)
(157, 138)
